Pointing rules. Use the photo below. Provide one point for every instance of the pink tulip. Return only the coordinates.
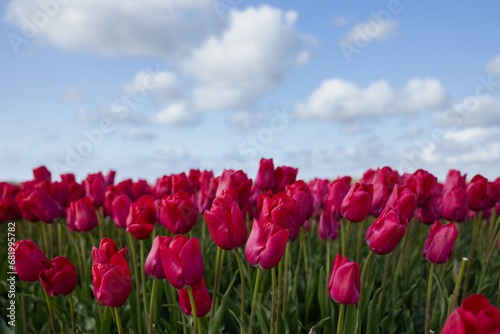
(344, 283)
(178, 213)
(202, 300)
(266, 244)
(328, 226)
(357, 203)
(120, 210)
(265, 175)
(438, 247)
(384, 235)
(141, 217)
(154, 265)
(59, 278)
(29, 260)
(81, 215)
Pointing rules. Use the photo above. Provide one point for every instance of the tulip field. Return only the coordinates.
(234, 253)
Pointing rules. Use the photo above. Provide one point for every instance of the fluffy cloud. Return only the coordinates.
(371, 30)
(245, 120)
(493, 66)
(340, 20)
(339, 100)
(178, 113)
(249, 60)
(164, 86)
(471, 111)
(117, 27)
(136, 133)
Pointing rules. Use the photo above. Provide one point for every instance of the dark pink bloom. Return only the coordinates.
(266, 244)
(344, 283)
(265, 175)
(141, 217)
(162, 187)
(337, 190)
(81, 215)
(94, 188)
(237, 184)
(404, 200)
(41, 174)
(59, 277)
(120, 210)
(202, 300)
(180, 182)
(29, 260)
(438, 247)
(284, 176)
(154, 266)
(178, 213)
(328, 226)
(357, 203)
(384, 235)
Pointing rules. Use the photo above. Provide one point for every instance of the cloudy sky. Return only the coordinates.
(155, 87)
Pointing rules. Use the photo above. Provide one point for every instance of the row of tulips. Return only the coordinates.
(292, 279)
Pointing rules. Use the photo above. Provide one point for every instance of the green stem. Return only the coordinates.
(273, 305)
(242, 279)
(78, 256)
(327, 301)
(25, 320)
(485, 268)
(137, 283)
(193, 310)
(59, 238)
(280, 294)
(143, 276)
(346, 240)
(51, 312)
(297, 266)
(285, 279)
(384, 280)
(216, 281)
(340, 323)
(342, 237)
(360, 239)
(254, 301)
(398, 268)
(498, 297)
(151, 306)
(475, 228)
(306, 261)
(364, 272)
(72, 313)
(100, 223)
(428, 300)
(118, 321)
(82, 249)
(458, 283)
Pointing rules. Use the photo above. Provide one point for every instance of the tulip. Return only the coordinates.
(344, 283)
(284, 176)
(110, 274)
(154, 266)
(384, 235)
(178, 213)
(424, 183)
(10, 209)
(182, 262)
(368, 177)
(126, 187)
(454, 180)
(120, 208)
(208, 188)
(202, 300)
(481, 194)
(68, 178)
(76, 191)
(319, 190)
(238, 184)
(454, 205)
(181, 182)
(404, 200)
(194, 178)
(266, 244)
(280, 210)
(41, 174)
(29, 260)
(162, 187)
(141, 188)
(337, 190)
(81, 215)
(438, 247)
(265, 175)
(225, 223)
(304, 202)
(109, 179)
(428, 213)
(40, 206)
(59, 278)
(94, 188)
(109, 195)
(476, 315)
(328, 226)
(141, 217)
(357, 203)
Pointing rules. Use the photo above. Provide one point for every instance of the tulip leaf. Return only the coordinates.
(373, 314)
(321, 291)
(311, 287)
(238, 320)
(219, 315)
(351, 320)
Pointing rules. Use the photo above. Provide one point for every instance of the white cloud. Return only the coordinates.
(136, 133)
(339, 100)
(371, 30)
(118, 27)
(472, 111)
(164, 86)
(178, 113)
(493, 66)
(340, 20)
(245, 120)
(74, 95)
(248, 61)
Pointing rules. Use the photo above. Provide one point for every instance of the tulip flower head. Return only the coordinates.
(265, 179)
(60, 277)
(141, 217)
(81, 215)
(202, 300)
(178, 213)
(266, 244)
(384, 235)
(154, 265)
(439, 245)
(344, 283)
(29, 260)
(357, 203)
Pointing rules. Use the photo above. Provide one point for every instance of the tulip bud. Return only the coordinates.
(59, 278)
(182, 262)
(337, 190)
(41, 174)
(237, 184)
(194, 178)
(94, 188)
(280, 211)
(10, 209)
(154, 266)
(344, 283)
(265, 176)
(141, 217)
(163, 186)
(110, 274)
(141, 188)
(319, 190)
(109, 179)
(39, 206)
(178, 213)
(454, 205)
(208, 188)
(202, 300)
(266, 244)
(284, 176)
(384, 235)
(126, 187)
(328, 226)
(120, 208)
(81, 215)
(404, 200)
(438, 247)
(424, 183)
(454, 180)
(225, 223)
(357, 203)
(180, 182)
(29, 260)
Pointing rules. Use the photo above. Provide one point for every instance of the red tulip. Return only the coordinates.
(481, 194)
(357, 203)
(81, 215)
(454, 180)
(384, 235)
(266, 244)
(76, 191)
(178, 213)
(29, 260)
(208, 188)
(162, 187)
(424, 183)
(368, 177)
(182, 262)
(109, 179)
(41, 174)
(428, 213)
(319, 190)
(40, 206)
(154, 266)
(438, 247)
(454, 204)
(280, 210)
(225, 223)
(180, 182)
(284, 176)
(476, 315)
(10, 209)
(194, 178)
(141, 188)
(202, 300)
(110, 274)
(94, 188)
(328, 226)
(59, 278)
(126, 187)
(337, 190)
(344, 283)
(265, 175)
(304, 202)
(141, 217)
(120, 208)
(404, 200)
(237, 184)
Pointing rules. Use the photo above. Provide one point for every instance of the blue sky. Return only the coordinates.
(156, 87)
